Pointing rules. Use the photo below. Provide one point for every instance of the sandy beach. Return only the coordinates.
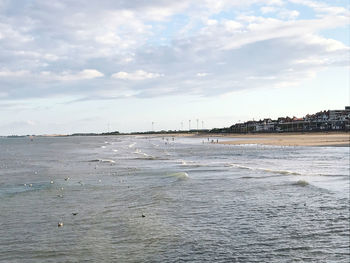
(295, 139)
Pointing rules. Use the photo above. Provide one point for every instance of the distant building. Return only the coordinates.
(319, 121)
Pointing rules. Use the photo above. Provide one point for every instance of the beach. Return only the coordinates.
(292, 139)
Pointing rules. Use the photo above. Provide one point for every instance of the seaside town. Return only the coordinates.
(330, 120)
(323, 121)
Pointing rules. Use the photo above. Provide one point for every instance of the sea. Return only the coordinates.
(171, 199)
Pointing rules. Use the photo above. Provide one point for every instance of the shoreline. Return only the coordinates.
(320, 139)
(312, 139)
(339, 139)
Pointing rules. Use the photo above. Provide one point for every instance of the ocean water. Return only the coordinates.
(154, 199)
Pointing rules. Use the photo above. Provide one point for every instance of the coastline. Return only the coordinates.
(312, 139)
(341, 139)
(320, 139)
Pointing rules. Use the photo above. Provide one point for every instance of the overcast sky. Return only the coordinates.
(89, 66)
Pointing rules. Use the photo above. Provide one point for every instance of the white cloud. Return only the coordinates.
(35, 55)
(47, 75)
(268, 9)
(137, 75)
(8, 73)
(68, 76)
(289, 14)
(275, 2)
(8, 32)
(232, 26)
(322, 7)
(330, 45)
(182, 39)
(202, 74)
(212, 22)
(260, 29)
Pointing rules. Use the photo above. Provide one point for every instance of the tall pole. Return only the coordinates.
(189, 125)
(182, 126)
(197, 124)
(152, 126)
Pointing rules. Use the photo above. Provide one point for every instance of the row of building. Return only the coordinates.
(331, 120)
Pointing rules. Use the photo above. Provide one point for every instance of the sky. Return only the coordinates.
(136, 65)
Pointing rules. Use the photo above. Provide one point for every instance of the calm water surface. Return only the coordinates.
(200, 202)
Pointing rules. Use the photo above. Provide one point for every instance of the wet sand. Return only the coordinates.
(295, 139)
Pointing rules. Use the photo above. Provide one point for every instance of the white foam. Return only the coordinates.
(278, 171)
(179, 175)
(265, 169)
(107, 161)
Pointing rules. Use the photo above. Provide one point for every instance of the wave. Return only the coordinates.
(132, 145)
(146, 156)
(179, 175)
(193, 164)
(301, 183)
(249, 177)
(137, 151)
(150, 157)
(12, 190)
(286, 172)
(278, 171)
(241, 166)
(190, 164)
(101, 161)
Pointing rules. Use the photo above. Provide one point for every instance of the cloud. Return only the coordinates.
(68, 76)
(137, 75)
(122, 49)
(289, 14)
(47, 75)
(8, 32)
(18, 124)
(232, 26)
(268, 9)
(8, 73)
(202, 74)
(322, 7)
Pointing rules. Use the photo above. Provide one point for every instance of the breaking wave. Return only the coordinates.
(301, 183)
(145, 156)
(278, 171)
(101, 161)
(190, 164)
(132, 145)
(179, 175)
(264, 169)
